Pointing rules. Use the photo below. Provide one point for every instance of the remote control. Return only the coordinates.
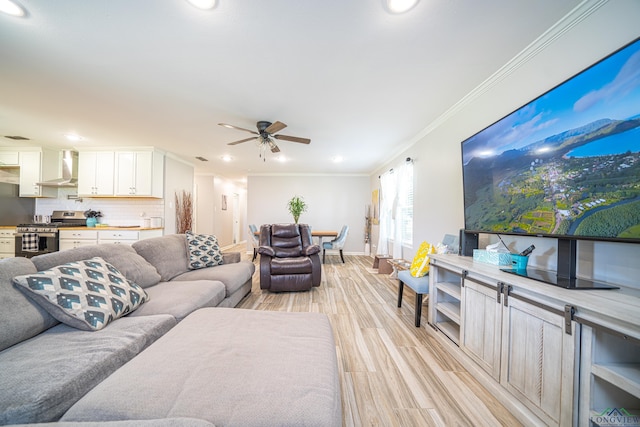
(527, 251)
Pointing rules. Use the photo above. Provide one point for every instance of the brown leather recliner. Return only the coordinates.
(289, 260)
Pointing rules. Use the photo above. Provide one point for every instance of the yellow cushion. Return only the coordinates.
(420, 264)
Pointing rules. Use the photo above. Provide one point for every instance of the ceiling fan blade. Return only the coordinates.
(274, 147)
(242, 140)
(293, 139)
(236, 127)
(275, 127)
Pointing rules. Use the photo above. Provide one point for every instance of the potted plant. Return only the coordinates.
(296, 207)
(92, 217)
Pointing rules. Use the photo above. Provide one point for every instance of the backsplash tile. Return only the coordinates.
(115, 211)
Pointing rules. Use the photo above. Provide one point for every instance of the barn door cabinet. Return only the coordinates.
(538, 358)
(523, 346)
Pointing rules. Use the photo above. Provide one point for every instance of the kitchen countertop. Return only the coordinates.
(106, 227)
(113, 227)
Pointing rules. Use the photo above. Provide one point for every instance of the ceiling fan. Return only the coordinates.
(265, 136)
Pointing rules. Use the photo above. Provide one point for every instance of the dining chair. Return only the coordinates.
(337, 243)
(255, 241)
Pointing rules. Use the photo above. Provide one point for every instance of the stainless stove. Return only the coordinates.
(41, 238)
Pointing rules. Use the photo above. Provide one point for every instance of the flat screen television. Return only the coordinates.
(565, 165)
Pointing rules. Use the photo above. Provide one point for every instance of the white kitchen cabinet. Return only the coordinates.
(96, 173)
(9, 158)
(126, 237)
(37, 166)
(71, 239)
(7, 242)
(139, 174)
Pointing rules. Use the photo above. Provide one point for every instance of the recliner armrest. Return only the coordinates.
(267, 250)
(310, 250)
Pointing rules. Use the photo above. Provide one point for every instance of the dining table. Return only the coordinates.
(320, 234)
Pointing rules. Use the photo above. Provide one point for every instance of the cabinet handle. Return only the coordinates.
(462, 277)
(499, 289)
(569, 311)
(505, 291)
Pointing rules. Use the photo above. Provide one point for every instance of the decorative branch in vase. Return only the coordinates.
(184, 212)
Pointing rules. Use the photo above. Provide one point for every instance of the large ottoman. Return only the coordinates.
(231, 367)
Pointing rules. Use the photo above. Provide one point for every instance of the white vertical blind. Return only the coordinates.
(396, 209)
(405, 204)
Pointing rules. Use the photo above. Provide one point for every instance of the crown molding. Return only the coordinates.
(568, 22)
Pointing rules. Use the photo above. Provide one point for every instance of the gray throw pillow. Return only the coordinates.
(86, 295)
(204, 251)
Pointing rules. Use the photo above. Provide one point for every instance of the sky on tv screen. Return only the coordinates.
(567, 163)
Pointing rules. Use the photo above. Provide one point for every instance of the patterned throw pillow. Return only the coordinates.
(420, 264)
(203, 251)
(85, 294)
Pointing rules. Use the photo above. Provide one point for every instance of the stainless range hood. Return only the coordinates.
(69, 169)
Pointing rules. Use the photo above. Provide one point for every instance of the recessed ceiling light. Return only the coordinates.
(337, 159)
(226, 158)
(11, 8)
(74, 137)
(281, 158)
(400, 6)
(203, 4)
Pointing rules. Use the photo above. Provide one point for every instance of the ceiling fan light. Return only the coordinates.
(11, 8)
(400, 6)
(203, 4)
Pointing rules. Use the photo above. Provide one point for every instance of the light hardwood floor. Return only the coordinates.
(391, 373)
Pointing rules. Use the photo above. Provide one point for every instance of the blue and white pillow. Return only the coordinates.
(85, 294)
(204, 251)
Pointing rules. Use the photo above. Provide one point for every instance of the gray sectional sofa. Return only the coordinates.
(184, 357)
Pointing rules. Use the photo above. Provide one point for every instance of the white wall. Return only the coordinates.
(333, 201)
(438, 200)
(204, 204)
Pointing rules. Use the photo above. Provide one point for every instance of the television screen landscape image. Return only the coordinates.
(565, 164)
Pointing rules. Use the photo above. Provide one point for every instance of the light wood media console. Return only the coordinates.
(553, 356)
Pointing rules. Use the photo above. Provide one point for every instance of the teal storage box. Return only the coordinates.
(493, 258)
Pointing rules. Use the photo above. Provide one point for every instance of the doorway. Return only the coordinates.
(236, 218)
